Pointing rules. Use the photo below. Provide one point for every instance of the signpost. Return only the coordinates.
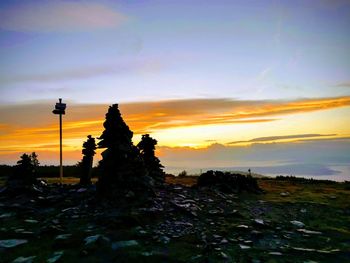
(60, 110)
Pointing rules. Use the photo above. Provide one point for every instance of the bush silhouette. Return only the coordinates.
(122, 171)
(88, 151)
(228, 182)
(152, 163)
(25, 170)
(182, 174)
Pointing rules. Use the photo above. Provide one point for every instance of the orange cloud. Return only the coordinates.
(151, 116)
(33, 126)
(283, 137)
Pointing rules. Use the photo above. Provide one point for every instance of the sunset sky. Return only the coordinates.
(219, 84)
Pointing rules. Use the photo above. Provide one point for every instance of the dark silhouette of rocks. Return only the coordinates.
(147, 147)
(88, 151)
(122, 170)
(66, 223)
(228, 182)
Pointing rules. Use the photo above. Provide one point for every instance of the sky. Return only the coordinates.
(219, 84)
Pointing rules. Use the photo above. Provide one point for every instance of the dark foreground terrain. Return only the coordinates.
(290, 222)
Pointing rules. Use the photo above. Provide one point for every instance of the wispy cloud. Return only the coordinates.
(59, 16)
(284, 137)
(342, 84)
(88, 72)
(150, 116)
(263, 74)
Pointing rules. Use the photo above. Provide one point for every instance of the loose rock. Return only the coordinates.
(24, 259)
(305, 231)
(244, 246)
(275, 253)
(297, 223)
(9, 243)
(123, 244)
(284, 194)
(55, 257)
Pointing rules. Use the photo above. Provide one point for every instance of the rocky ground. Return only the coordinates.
(288, 223)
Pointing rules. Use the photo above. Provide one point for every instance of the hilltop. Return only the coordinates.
(292, 221)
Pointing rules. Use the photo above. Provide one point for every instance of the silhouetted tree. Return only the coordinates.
(35, 161)
(147, 147)
(88, 151)
(122, 170)
(25, 169)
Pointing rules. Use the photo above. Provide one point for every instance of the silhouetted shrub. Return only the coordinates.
(25, 170)
(182, 174)
(152, 163)
(88, 151)
(228, 182)
(294, 179)
(122, 171)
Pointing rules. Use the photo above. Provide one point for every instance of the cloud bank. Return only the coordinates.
(284, 137)
(324, 157)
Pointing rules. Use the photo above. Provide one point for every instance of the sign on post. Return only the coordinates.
(60, 109)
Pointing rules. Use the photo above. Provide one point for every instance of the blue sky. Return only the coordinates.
(174, 49)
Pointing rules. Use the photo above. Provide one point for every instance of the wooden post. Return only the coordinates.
(61, 167)
(60, 110)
